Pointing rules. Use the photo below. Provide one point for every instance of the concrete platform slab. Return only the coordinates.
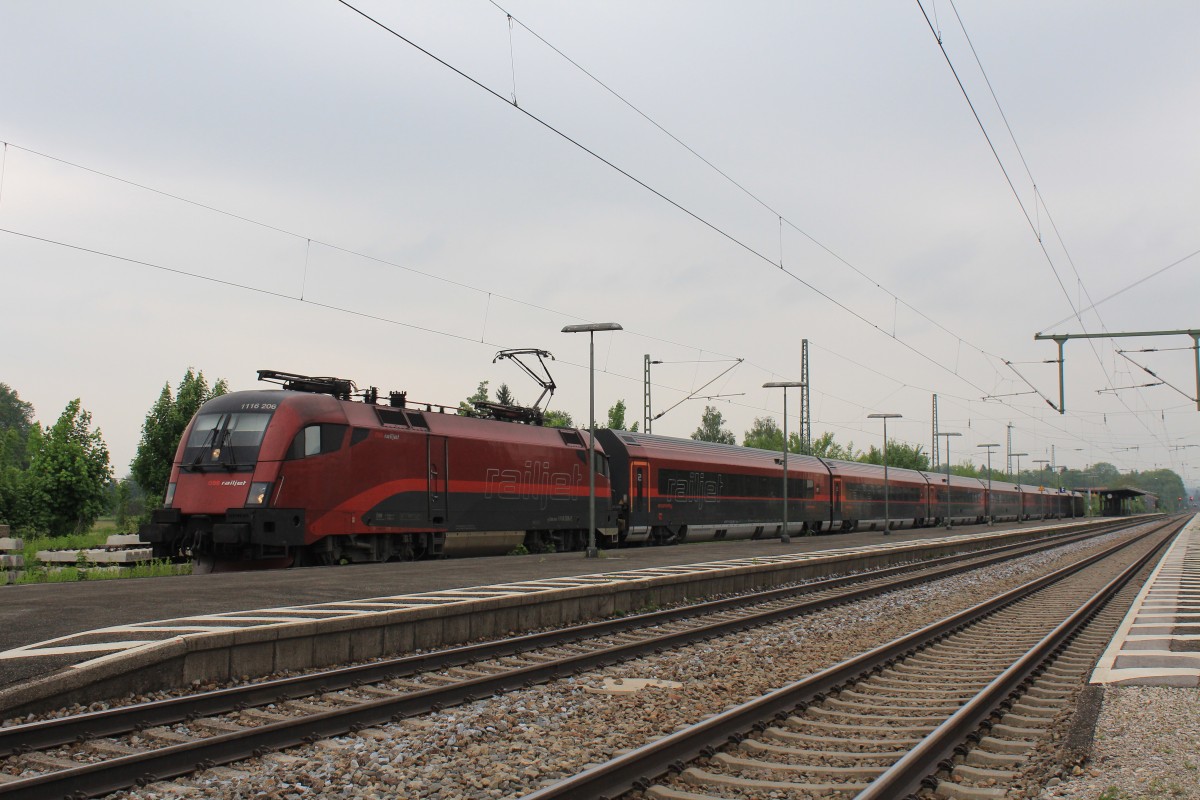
(204, 627)
(1158, 642)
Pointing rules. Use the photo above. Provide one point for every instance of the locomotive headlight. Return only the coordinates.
(258, 494)
(170, 497)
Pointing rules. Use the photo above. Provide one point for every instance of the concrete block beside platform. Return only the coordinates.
(132, 556)
(12, 557)
(124, 540)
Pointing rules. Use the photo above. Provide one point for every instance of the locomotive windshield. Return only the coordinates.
(225, 441)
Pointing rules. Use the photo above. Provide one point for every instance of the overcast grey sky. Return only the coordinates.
(402, 224)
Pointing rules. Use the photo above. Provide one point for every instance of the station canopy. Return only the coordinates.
(1115, 502)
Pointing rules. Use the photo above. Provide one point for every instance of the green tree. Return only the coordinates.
(616, 418)
(764, 434)
(17, 429)
(467, 407)
(163, 428)
(15, 413)
(712, 428)
(504, 396)
(557, 419)
(824, 446)
(899, 454)
(16, 506)
(68, 474)
(126, 503)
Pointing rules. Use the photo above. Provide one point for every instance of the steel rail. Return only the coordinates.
(142, 768)
(18, 739)
(638, 768)
(914, 769)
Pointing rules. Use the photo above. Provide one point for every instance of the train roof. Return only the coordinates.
(873, 470)
(693, 450)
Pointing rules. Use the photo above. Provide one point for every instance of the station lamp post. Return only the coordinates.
(590, 329)
(1018, 457)
(1041, 461)
(1042, 481)
(887, 517)
(1021, 513)
(948, 434)
(785, 385)
(989, 447)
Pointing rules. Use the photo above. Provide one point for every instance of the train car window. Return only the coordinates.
(332, 437)
(389, 417)
(359, 435)
(601, 465)
(246, 430)
(203, 430)
(312, 440)
(417, 420)
(571, 438)
(315, 440)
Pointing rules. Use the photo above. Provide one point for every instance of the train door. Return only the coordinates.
(639, 490)
(837, 498)
(438, 479)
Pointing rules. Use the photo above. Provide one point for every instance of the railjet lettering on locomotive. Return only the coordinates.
(695, 488)
(535, 482)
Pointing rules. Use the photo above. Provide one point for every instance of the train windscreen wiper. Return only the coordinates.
(197, 464)
(225, 445)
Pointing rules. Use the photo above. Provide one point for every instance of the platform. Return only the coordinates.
(151, 633)
(1158, 642)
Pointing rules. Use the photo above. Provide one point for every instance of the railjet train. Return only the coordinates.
(307, 475)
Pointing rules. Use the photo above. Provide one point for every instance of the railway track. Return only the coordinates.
(92, 754)
(956, 707)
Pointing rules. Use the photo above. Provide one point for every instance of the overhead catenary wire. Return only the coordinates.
(1039, 203)
(782, 219)
(488, 293)
(451, 282)
(332, 307)
(1016, 195)
(1119, 292)
(819, 244)
(694, 215)
(534, 305)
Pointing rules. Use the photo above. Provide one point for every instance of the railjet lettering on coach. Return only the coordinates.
(695, 488)
(535, 482)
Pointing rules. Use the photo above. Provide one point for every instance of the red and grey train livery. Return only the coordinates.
(306, 475)
(670, 490)
(309, 477)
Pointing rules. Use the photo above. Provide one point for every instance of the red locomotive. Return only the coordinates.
(308, 476)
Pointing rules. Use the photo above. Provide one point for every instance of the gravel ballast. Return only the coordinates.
(506, 747)
(1147, 745)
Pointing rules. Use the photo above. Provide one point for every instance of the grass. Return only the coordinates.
(148, 569)
(74, 541)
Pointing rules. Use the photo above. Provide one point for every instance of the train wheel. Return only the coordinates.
(203, 565)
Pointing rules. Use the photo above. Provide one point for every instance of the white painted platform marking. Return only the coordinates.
(1161, 607)
(203, 624)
